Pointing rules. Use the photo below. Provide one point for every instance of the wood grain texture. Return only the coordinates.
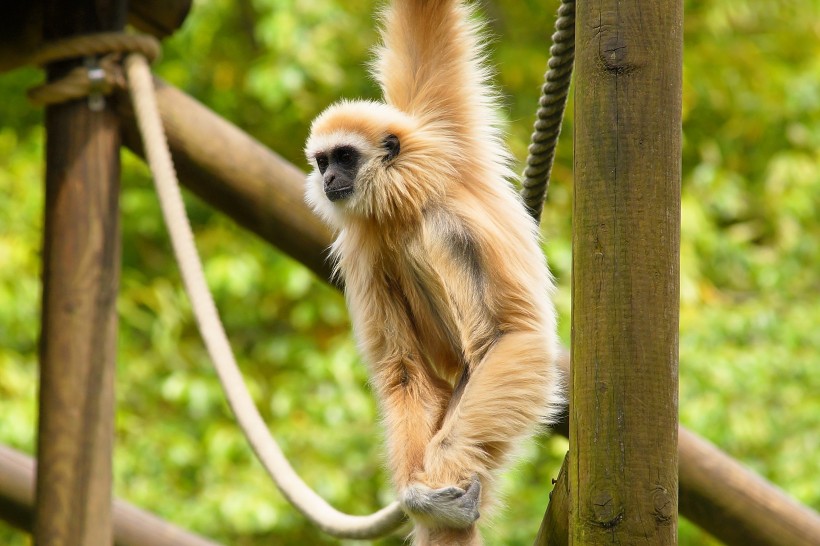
(80, 281)
(626, 230)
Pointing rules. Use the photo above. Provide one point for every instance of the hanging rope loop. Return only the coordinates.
(297, 492)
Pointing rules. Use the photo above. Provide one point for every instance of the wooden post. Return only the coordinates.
(80, 281)
(623, 461)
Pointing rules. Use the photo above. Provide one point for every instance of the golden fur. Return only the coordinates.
(447, 287)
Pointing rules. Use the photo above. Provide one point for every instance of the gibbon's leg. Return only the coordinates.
(504, 400)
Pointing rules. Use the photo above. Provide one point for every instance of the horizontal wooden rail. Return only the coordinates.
(132, 526)
(263, 192)
(21, 25)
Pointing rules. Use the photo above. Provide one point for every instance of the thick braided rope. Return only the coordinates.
(78, 82)
(550, 113)
(299, 494)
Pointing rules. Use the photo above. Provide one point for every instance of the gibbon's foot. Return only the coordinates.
(451, 507)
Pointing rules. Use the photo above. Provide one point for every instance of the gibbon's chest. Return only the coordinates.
(432, 308)
(397, 292)
(424, 299)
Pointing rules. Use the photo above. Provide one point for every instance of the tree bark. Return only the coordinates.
(623, 478)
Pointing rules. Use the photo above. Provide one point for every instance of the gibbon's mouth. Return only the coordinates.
(337, 194)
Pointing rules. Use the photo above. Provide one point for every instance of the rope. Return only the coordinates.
(550, 113)
(97, 77)
(311, 505)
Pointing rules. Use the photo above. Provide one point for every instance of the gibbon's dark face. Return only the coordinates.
(339, 168)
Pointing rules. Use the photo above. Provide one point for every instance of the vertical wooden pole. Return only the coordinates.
(80, 281)
(626, 237)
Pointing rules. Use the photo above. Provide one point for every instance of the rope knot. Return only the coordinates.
(101, 72)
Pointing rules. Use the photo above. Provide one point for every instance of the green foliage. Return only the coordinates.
(749, 262)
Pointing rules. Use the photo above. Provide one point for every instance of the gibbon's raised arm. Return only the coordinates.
(431, 66)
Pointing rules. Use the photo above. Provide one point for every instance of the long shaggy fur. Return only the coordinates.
(446, 284)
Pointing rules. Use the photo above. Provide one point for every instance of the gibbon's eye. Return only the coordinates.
(321, 162)
(392, 145)
(345, 157)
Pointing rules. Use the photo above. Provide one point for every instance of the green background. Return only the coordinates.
(750, 268)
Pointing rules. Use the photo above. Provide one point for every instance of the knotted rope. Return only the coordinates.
(552, 103)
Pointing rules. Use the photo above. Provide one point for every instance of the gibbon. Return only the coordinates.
(447, 287)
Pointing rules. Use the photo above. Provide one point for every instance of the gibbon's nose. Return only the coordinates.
(329, 179)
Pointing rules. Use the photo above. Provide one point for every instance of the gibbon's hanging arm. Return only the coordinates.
(299, 494)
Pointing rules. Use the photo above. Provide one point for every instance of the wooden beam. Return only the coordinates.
(132, 526)
(160, 18)
(736, 505)
(80, 281)
(623, 460)
(554, 530)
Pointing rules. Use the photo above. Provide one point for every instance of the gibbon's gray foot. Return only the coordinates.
(451, 507)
